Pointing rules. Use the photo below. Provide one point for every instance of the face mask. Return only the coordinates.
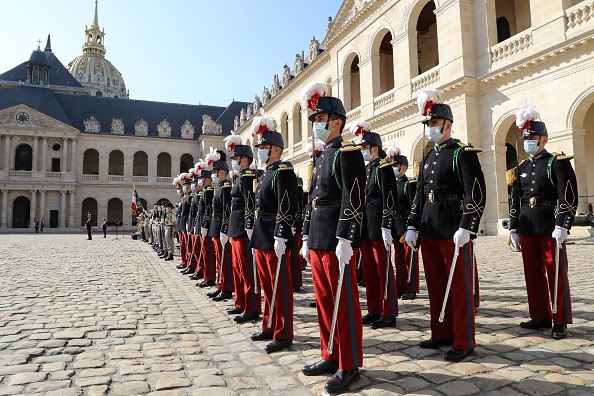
(531, 146)
(185, 188)
(178, 192)
(193, 186)
(200, 182)
(263, 155)
(320, 131)
(434, 134)
(366, 155)
(396, 170)
(235, 165)
(215, 178)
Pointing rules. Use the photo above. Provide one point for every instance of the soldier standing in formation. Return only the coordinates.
(203, 222)
(335, 208)
(446, 212)
(169, 224)
(543, 202)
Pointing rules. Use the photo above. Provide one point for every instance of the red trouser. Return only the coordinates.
(458, 323)
(183, 241)
(207, 262)
(348, 337)
(402, 256)
(282, 317)
(374, 261)
(195, 260)
(297, 262)
(224, 268)
(539, 265)
(190, 245)
(243, 269)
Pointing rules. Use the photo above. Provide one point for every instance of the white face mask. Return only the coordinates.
(434, 134)
(396, 170)
(200, 182)
(185, 188)
(320, 131)
(531, 146)
(366, 154)
(263, 155)
(215, 178)
(178, 192)
(193, 186)
(235, 165)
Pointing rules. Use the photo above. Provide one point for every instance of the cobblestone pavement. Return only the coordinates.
(107, 316)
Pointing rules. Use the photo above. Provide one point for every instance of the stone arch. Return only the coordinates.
(382, 57)
(140, 164)
(116, 163)
(23, 157)
(91, 162)
(115, 211)
(351, 77)
(284, 127)
(296, 122)
(185, 162)
(21, 212)
(417, 153)
(89, 205)
(164, 165)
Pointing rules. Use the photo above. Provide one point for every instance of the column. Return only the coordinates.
(62, 209)
(71, 210)
(128, 166)
(369, 74)
(43, 166)
(152, 167)
(33, 212)
(73, 156)
(35, 153)
(64, 155)
(3, 219)
(42, 205)
(579, 163)
(7, 153)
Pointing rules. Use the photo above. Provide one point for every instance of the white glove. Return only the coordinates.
(461, 238)
(514, 240)
(305, 249)
(203, 232)
(188, 227)
(249, 233)
(411, 238)
(224, 238)
(560, 235)
(293, 230)
(344, 251)
(387, 237)
(280, 246)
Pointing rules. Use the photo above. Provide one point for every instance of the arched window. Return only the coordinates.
(427, 43)
(23, 159)
(89, 205)
(115, 212)
(284, 128)
(21, 212)
(186, 162)
(503, 30)
(116, 163)
(140, 164)
(91, 162)
(386, 64)
(164, 165)
(355, 79)
(297, 135)
(99, 94)
(35, 79)
(512, 16)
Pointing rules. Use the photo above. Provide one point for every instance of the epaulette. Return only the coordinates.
(385, 163)
(562, 156)
(412, 180)
(208, 188)
(226, 185)
(468, 147)
(349, 146)
(249, 173)
(285, 167)
(510, 175)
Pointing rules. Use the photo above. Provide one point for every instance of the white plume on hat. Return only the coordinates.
(314, 148)
(253, 166)
(176, 180)
(525, 115)
(183, 176)
(392, 152)
(427, 98)
(262, 123)
(212, 157)
(359, 127)
(312, 93)
(231, 141)
(191, 172)
(201, 165)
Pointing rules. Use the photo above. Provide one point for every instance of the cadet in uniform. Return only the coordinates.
(297, 260)
(247, 305)
(194, 232)
(403, 254)
(379, 222)
(543, 203)
(272, 235)
(169, 224)
(446, 212)
(335, 208)
(204, 219)
(186, 201)
(219, 228)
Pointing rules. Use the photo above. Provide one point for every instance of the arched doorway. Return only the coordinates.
(384, 49)
(21, 212)
(581, 117)
(115, 212)
(89, 205)
(186, 162)
(355, 78)
(23, 158)
(91, 162)
(164, 165)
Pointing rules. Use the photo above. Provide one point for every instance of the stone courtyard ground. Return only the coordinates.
(107, 316)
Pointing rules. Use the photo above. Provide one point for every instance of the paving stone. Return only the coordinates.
(98, 372)
(206, 381)
(93, 381)
(11, 390)
(7, 370)
(43, 387)
(130, 388)
(56, 366)
(172, 383)
(65, 392)
(98, 390)
(27, 378)
(459, 388)
(69, 334)
(538, 387)
(214, 392)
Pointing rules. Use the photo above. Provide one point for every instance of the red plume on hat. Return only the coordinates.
(427, 98)
(312, 93)
(359, 127)
(262, 123)
(231, 141)
(525, 116)
(191, 172)
(212, 157)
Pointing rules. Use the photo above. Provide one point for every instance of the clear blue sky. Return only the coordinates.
(181, 51)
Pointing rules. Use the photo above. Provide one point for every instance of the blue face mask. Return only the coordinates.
(215, 178)
(434, 134)
(531, 146)
(235, 165)
(320, 131)
(263, 155)
(366, 154)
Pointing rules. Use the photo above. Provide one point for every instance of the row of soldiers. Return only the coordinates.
(157, 227)
(253, 233)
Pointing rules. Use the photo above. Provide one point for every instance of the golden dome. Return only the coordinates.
(92, 70)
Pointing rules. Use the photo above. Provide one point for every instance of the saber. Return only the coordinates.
(447, 292)
(387, 273)
(410, 265)
(558, 247)
(359, 261)
(219, 273)
(189, 237)
(473, 272)
(255, 272)
(335, 311)
(278, 265)
(200, 256)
